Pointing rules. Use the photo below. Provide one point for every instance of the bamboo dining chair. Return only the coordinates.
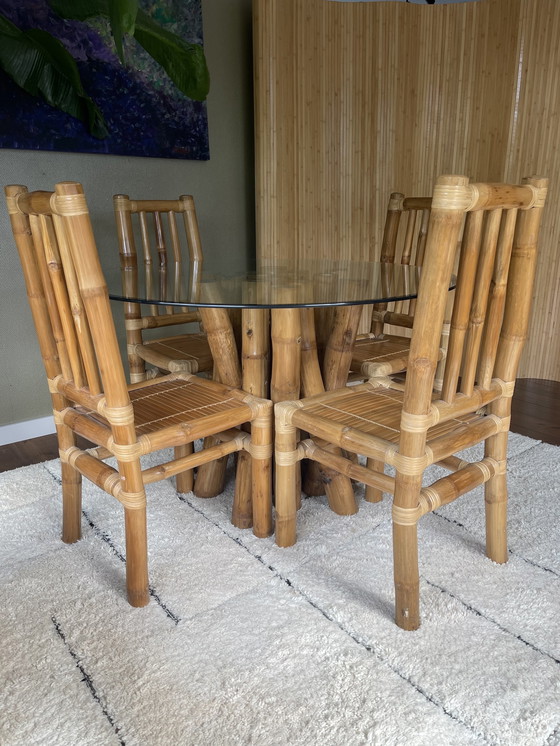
(91, 398)
(384, 349)
(411, 426)
(166, 230)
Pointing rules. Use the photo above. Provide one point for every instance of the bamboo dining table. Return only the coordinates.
(289, 313)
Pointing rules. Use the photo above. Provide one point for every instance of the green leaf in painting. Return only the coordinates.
(42, 66)
(122, 15)
(185, 63)
(79, 10)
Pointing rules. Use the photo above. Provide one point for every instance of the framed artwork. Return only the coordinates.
(416, 2)
(142, 111)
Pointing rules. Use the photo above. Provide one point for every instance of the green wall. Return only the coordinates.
(223, 188)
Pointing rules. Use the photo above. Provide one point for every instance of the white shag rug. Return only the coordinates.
(246, 643)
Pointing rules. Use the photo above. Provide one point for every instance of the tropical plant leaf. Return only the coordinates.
(122, 14)
(79, 10)
(184, 62)
(41, 66)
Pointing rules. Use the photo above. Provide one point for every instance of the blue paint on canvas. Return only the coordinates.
(144, 112)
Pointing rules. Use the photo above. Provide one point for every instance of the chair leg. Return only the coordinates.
(261, 469)
(136, 556)
(495, 497)
(136, 367)
(184, 481)
(210, 478)
(242, 510)
(374, 494)
(286, 482)
(407, 579)
(71, 503)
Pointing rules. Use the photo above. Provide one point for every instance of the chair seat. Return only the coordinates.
(177, 401)
(192, 348)
(376, 412)
(382, 355)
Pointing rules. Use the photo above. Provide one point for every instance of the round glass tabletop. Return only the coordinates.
(305, 284)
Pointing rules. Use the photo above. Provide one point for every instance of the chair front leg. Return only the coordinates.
(286, 478)
(405, 552)
(261, 460)
(136, 555)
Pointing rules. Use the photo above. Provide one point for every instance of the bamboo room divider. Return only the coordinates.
(355, 100)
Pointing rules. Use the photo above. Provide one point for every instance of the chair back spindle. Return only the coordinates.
(170, 251)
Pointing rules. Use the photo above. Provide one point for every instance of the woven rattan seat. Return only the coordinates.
(412, 425)
(384, 349)
(91, 398)
(171, 250)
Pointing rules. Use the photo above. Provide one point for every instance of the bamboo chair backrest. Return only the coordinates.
(404, 242)
(499, 225)
(68, 295)
(171, 249)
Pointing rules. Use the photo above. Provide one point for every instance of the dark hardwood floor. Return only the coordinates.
(535, 412)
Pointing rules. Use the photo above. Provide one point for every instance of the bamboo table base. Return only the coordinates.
(295, 366)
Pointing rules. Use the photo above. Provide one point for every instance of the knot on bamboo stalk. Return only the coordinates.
(259, 452)
(183, 366)
(448, 196)
(283, 412)
(116, 415)
(69, 204)
(406, 516)
(127, 452)
(539, 195)
(69, 455)
(419, 423)
(412, 466)
(506, 388)
(428, 500)
(58, 416)
(261, 410)
(129, 500)
(374, 369)
(288, 458)
(53, 384)
(381, 382)
(12, 205)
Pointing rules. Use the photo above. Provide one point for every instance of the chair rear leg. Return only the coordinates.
(136, 556)
(211, 477)
(184, 481)
(71, 503)
(374, 494)
(495, 498)
(242, 510)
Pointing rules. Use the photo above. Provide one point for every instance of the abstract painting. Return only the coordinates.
(145, 114)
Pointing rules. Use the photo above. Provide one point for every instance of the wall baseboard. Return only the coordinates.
(25, 430)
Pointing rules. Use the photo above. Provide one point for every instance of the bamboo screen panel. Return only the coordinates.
(356, 100)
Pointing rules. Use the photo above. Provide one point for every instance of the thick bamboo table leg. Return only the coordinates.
(255, 351)
(286, 362)
(217, 325)
(338, 355)
(255, 356)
